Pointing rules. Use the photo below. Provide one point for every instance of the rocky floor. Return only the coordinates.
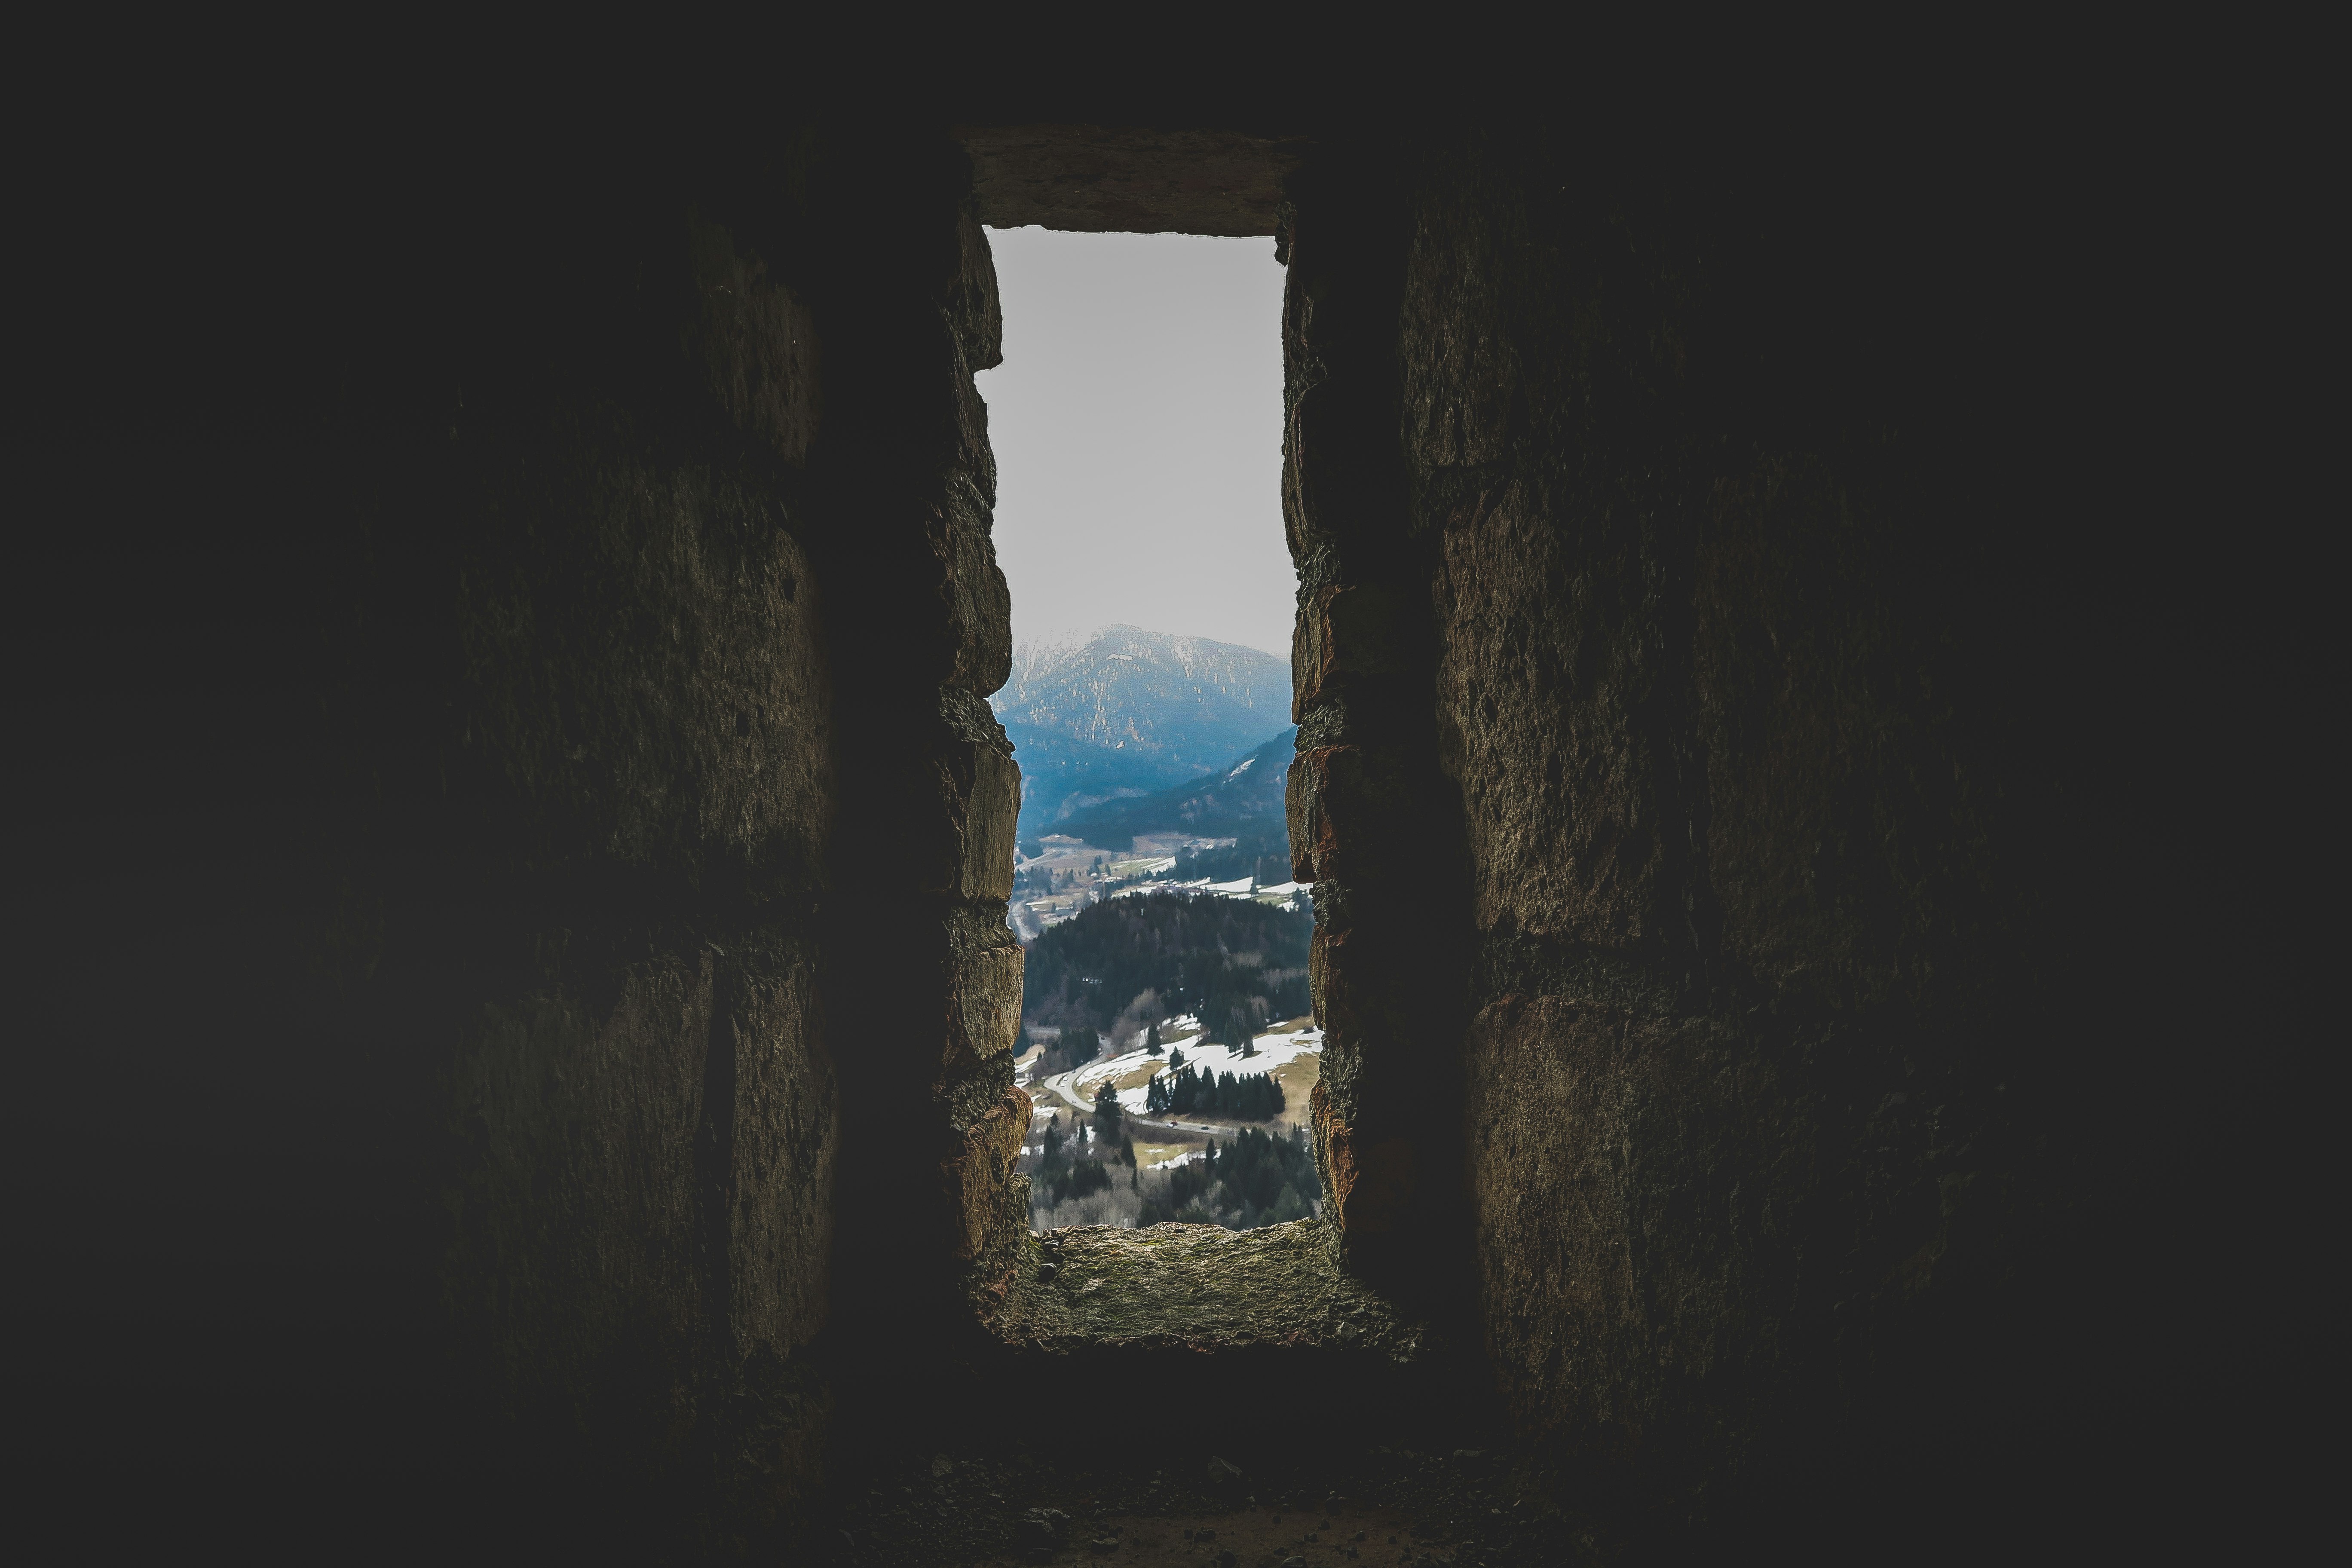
(1388, 1506)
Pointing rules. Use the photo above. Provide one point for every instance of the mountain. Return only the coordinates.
(1120, 711)
(1243, 800)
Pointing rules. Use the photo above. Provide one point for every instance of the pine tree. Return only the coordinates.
(1152, 1041)
(1107, 1114)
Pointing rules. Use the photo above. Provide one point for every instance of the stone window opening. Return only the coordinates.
(1134, 427)
(1380, 1149)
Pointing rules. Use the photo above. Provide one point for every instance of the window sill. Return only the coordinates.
(1200, 1288)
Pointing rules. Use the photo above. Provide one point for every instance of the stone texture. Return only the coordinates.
(632, 1181)
(1200, 1287)
(1347, 631)
(1761, 795)
(1372, 822)
(985, 990)
(1542, 704)
(978, 605)
(1690, 1218)
(706, 738)
(1371, 1188)
(1591, 1123)
(982, 1167)
(980, 786)
(483, 1026)
(506, 693)
(1127, 179)
(641, 1180)
(929, 802)
(758, 343)
(1673, 689)
(974, 311)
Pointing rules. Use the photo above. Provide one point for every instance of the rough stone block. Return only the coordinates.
(965, 829)
(1372, 1182)
(1651, 1205)
(784, 1142)
(630, 1171)
(985, 986)
(1324, 500)
(1462, 327)
(982, 1164)
(990, 812)
(1344, 630)
(1550, 717)
(1127, 180)
(974, 311)
(758, 344)
(1348, 808)
(652, 682)
(975, 606)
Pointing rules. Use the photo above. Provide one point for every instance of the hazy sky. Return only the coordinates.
(1138, 425)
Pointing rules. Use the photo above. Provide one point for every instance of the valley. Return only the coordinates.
(1168, 1046)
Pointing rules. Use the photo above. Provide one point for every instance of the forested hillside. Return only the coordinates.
(1256, 1179)
(1234, 962)
(1242, 800)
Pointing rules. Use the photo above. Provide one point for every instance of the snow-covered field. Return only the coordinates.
(1276, 1050)
(1284, 894)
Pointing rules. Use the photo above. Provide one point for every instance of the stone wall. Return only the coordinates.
(517, 664)
(1709, 715)
(506, 633)
(1373, 823)
(931, 792)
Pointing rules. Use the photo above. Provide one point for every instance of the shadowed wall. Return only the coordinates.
(1721, 708)
(511, 597)
(506, 632)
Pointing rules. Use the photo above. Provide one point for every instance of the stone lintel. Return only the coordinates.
(1127, 179)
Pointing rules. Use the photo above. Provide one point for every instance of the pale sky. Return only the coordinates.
(1137, 420)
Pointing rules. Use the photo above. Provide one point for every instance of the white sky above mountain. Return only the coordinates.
(1137, 420)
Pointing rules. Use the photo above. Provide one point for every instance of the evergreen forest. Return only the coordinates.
(1256, 1178)
(1184, 1092)
(1264, 856)
(1062, 1172)
(1231, 962)
(1259, 1178)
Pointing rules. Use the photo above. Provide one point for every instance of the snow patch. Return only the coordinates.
(1278, 1048)
(1241, 888)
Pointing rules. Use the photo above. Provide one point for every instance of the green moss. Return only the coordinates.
(1200, 1287)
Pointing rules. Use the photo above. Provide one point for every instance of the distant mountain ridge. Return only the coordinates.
(1243, 800)
(1119, 711)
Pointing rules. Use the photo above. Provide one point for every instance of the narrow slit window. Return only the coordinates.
(1168, 1039)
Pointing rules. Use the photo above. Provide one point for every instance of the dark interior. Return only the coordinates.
(1792, 702)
